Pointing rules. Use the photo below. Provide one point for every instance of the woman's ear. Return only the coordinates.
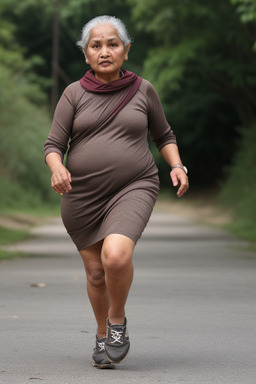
(127, 49)
(86, 60)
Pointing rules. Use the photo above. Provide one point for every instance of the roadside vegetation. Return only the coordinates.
(11, 236)
(238, 193)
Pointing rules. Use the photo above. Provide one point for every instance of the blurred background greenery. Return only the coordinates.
(199, 54)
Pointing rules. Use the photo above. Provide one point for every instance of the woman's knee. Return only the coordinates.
(96, 277)
(93, 265)
(116, 258)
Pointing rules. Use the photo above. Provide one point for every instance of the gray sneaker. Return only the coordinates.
(117, 343)
(99, 356)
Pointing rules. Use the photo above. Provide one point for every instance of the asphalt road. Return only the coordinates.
(191, 310)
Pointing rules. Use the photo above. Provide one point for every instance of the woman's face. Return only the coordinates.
(105, 53)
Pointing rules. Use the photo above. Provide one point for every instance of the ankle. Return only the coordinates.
(101, 334)
(116, 319)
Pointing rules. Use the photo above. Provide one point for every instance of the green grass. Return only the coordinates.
(16, 198)
(37, 212)
(27, 216)
(238, 190)
(4, 255)
(243, 229)
(11, 236)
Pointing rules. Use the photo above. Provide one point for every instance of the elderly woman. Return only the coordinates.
(110, 182)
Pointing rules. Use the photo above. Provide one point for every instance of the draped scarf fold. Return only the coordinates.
(129, 80)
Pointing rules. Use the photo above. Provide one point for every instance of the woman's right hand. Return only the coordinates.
(61, 180)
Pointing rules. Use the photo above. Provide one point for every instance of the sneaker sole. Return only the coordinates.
(103, 366)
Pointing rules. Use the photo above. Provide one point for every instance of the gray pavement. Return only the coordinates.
(191, 310)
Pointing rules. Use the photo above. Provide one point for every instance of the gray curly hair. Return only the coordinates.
(115, 22)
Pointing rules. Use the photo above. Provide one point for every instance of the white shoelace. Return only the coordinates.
(101, 346)
(116, 335)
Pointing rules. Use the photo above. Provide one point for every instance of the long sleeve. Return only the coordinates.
(159, 129)
(57, 140)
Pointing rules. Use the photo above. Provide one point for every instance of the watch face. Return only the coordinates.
(185, 169)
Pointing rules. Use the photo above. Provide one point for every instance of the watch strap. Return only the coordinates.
(180, 166)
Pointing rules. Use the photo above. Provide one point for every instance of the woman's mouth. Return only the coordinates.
(105, 63)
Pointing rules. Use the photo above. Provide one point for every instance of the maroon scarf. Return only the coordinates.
(129, 80)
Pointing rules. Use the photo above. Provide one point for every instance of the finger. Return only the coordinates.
(56, 188)
(61, 184)
(59, 191)
(181, 192)
(182, 189)
(59, 188)
(65, 182)
(65, 179)
(174, 178)
(179, 178)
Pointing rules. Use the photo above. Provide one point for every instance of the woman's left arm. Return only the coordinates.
(179, 177)
(165, 140)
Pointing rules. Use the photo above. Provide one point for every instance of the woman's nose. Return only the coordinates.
(104, 52)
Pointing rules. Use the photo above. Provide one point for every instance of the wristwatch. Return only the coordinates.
(180, 166)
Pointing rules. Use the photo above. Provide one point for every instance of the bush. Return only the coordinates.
(239, 191)
(24, 126)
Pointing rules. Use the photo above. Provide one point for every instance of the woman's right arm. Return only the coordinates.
(55, 146)
(61, 177)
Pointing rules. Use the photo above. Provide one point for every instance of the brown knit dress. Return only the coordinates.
(114, 177)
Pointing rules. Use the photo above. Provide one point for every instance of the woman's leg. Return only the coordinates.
(116, 257)
(96, 287)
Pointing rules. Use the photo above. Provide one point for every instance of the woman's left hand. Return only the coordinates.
(180, 178)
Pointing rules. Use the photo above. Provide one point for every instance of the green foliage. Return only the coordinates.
(4, 254)
(24, 125)
(202, 64)
(166, 66)
(247, 10)
(16, 198)
(195, 38)
(10, 236)
(238, 192)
